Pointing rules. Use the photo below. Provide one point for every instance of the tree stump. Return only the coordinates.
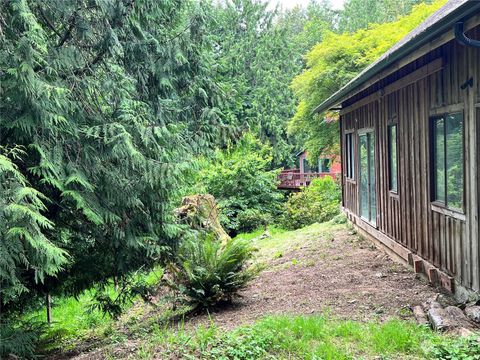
(201, 213)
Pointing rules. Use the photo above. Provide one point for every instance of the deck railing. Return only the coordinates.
(294, 179)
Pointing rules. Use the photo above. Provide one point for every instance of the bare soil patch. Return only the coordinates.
(341, 274)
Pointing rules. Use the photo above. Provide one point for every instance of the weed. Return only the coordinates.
(457, 349)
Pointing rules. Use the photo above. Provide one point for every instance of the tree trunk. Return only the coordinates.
(48, 301)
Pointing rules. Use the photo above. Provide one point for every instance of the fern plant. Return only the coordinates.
(207, 273)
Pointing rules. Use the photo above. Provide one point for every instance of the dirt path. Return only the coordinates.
(338, 273)
(321, 269)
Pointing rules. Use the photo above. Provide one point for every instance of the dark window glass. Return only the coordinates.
(324, 165)
(392, 157)
(448, 165)
(454, 166)
(439, 161)
(349, 153)
(364, 177)
(368, 199)
(306, 166)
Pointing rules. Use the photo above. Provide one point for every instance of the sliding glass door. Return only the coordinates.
(368, 198)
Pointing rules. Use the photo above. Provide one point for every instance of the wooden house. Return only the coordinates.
(304, 173)
(326, 164)
(410, 131)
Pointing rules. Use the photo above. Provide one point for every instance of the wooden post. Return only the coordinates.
(48, 301)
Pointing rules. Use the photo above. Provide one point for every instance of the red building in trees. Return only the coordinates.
(305, 171)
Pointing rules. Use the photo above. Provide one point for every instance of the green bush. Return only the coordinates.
(243, 184)
(253, 219)
(318, 202)
(207, 272)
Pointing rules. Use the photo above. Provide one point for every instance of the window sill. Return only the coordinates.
(393, 194)
(441, 209)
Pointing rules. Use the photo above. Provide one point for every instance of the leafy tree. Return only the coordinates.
(334, 62)
(258, 53)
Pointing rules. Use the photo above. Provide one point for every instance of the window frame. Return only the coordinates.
(439, 205)
(320, 165)
(350, 156)
(393, 123)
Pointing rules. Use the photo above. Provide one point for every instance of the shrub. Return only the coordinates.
(318, 202)
(243, 184)
(253, 219)
(207, 273)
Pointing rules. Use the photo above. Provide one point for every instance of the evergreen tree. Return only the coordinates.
(108, 100)
(359, 14)
(258, 53)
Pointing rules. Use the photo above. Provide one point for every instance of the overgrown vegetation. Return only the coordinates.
(243, 184)
(457, 349)
(339, 58)
(113, 109)
(301, 337)
(318, 202)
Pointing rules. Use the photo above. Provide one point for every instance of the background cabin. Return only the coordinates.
(410, 131)
(304, 173)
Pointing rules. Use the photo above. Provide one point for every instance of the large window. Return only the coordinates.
(393, 158)
(349, 156)
(306, 166)
(367, 178)
(324, 165)
(447, 162)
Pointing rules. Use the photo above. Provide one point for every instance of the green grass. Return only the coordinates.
(281, 241)
(273, 230)
(74, 319)
(298, 337)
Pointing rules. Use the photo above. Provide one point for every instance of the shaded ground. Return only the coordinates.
(323, 268)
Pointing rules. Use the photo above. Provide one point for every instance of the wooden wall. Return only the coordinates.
(448, 241)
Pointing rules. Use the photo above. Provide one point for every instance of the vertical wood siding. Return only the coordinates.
(449, 243)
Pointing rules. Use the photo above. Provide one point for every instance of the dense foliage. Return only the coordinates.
(94, 144)
(318, 202)
(258, 52)
(111, 109)
(335, 61)
(359, 14)
(245, 188)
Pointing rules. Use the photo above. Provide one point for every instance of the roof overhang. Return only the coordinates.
(437, 24)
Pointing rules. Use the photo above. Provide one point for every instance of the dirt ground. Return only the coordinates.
(341, 274)
(315, 271)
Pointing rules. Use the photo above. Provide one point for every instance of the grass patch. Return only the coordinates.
(273, 230)
(282, 242)
(73, 319)
(299, 337)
